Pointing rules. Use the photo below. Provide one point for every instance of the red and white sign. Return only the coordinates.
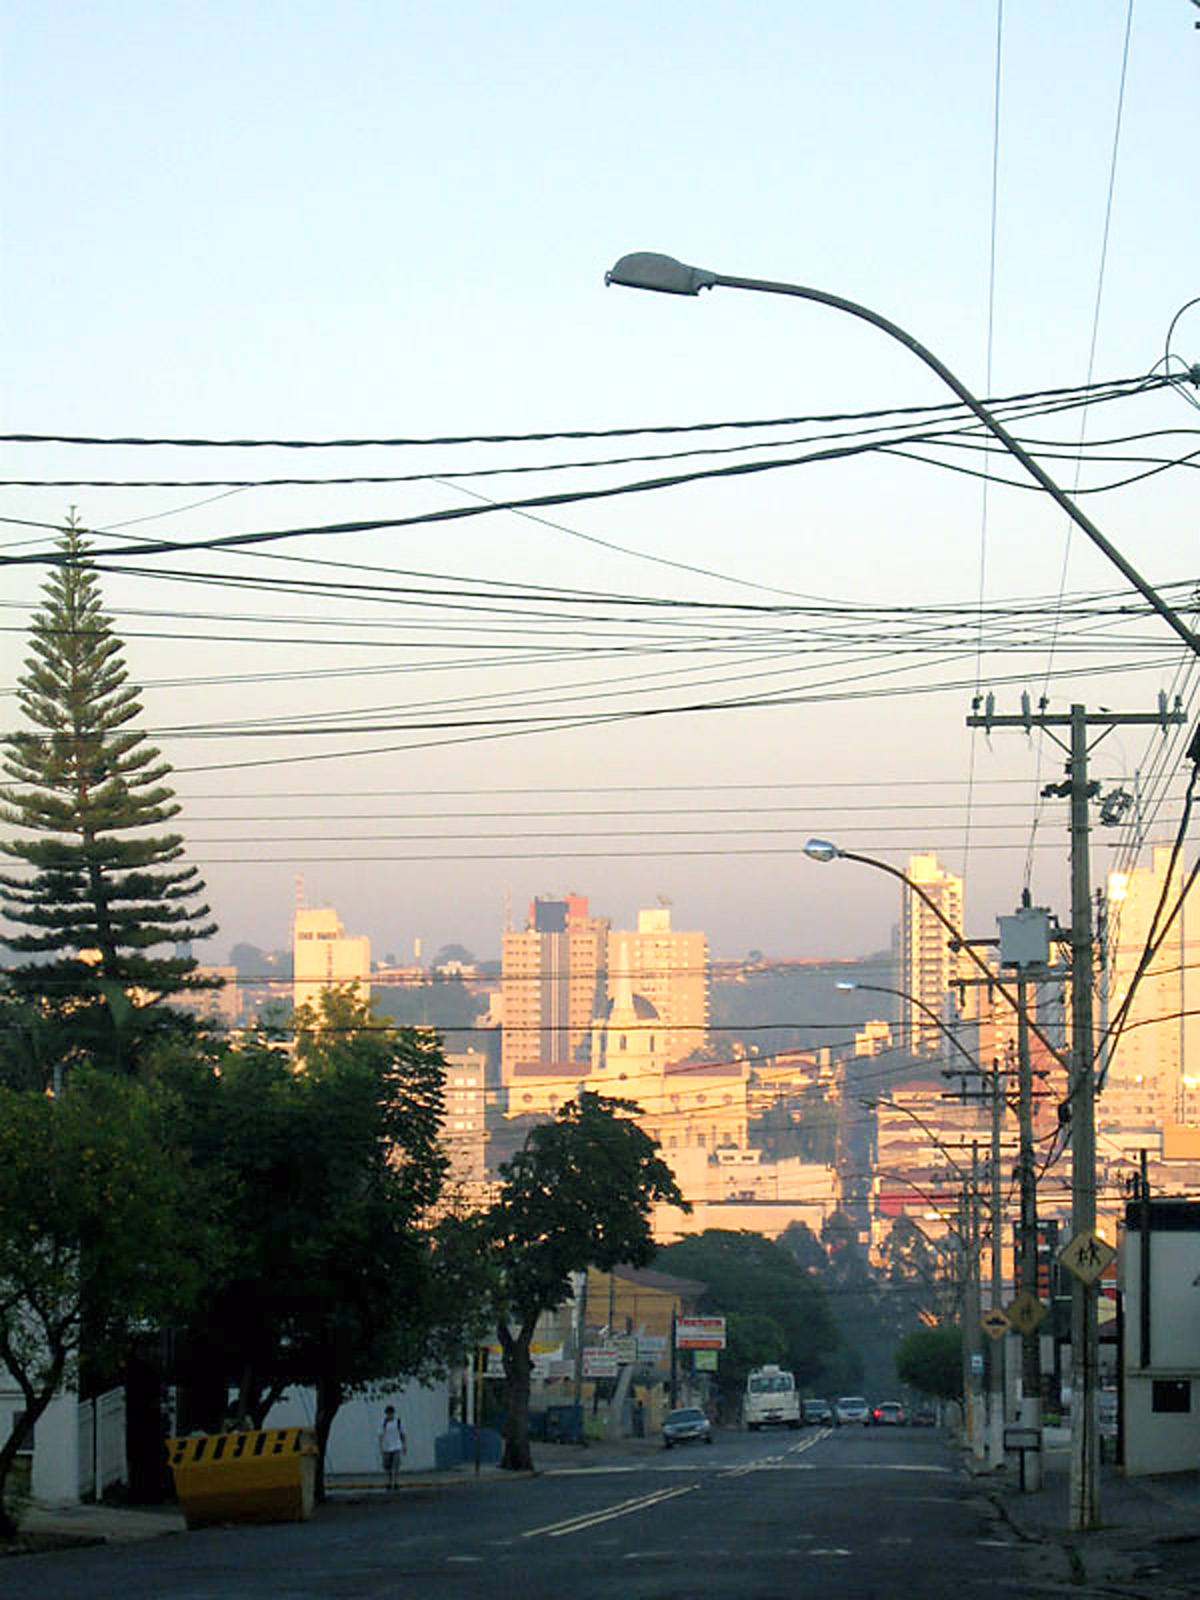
(599, 1363)
(700, 1333)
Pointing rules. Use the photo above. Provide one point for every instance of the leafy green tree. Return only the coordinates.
(930, 1359)
(751, 1340)
(917, 1276)
(801, 1242)
(750, 1276)
(333, 1163)
(577, 1194)
(93, 1224)
(101, 890)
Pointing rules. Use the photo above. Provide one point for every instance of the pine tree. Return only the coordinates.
(100, 891)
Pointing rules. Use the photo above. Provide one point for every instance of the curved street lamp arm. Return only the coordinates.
(901, 994)
(956, 934)
(995, 427)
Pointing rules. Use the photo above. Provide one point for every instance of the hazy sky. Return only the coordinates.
(385, 220)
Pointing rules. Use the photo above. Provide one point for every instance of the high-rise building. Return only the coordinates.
(464, 1121)
(927, 963)
(1149, 1080)
(670, 970)
(323, 957)
(552, 985)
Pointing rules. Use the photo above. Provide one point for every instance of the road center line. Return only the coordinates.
(590, 1519)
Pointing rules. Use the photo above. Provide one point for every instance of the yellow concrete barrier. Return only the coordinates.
(264, 1476)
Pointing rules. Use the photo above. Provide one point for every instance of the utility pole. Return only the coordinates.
(996, 1378)
(973, 1311)
(1080, 1102)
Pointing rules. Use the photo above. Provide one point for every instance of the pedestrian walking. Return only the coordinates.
(391, 1445)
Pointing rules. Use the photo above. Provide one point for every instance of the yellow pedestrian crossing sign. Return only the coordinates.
(1088, 1256)
(1026, 1313)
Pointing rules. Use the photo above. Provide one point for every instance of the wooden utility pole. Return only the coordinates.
(1080, 1102)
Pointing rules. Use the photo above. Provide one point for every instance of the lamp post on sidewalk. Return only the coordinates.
(995, 1428)
(665, 275)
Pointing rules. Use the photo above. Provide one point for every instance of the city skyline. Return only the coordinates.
(666, 691)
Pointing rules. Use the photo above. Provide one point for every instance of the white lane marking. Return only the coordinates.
(831, 1552)
(591, 1519)
(464, 1558)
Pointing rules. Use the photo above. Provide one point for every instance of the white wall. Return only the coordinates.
(1162, 1441)
(354, 1442)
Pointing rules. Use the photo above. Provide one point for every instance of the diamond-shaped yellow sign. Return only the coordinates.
(995, 1324)
(1088, 1256)
(1026, 1313)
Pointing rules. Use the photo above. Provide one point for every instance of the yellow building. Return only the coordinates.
(1150, 1078)
(324, 958)
(669, 969)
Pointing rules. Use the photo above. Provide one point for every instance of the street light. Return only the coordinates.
(825, 850)
(645, 269)
(995, 1441)
(938, 1022)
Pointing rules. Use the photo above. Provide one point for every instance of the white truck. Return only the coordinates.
(771, 1399)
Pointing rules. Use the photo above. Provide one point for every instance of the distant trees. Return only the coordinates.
(772, 1303)
(930, 1359)
(577, 1194)
(102, 891)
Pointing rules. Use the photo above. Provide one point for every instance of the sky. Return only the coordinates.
(270, 221)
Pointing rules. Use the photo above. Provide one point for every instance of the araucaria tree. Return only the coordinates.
(102, 891)
(577, 1195)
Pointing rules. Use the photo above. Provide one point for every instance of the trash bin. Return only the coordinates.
(268, 1475)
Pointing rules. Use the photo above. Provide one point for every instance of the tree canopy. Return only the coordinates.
(102, 890)
(93, 1226)
(332, 1162)
(577, 1194)
(931, 1361)
(750, 1278)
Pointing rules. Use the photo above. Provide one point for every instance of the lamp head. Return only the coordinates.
(646, 270)
(821, 850)
(842, 983)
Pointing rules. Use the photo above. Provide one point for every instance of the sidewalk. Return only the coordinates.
(1148, 1541)
(87, 1523)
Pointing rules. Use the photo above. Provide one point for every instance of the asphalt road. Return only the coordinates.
(870, 1514)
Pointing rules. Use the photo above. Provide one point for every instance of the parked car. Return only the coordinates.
(686, 1426)
(888, 1414)
(923, 1417)
(819, 1412)
(852, 1408)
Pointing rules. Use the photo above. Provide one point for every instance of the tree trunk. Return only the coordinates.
(36, 1402)
(329, 1400)
(518, 1367)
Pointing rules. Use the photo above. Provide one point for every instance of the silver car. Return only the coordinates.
(852, 1408)
(686, 1425)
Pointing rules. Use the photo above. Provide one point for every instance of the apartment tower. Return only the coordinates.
(552, 986)
(927, 963)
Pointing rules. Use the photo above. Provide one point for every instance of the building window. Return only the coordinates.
(1171, 1394)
